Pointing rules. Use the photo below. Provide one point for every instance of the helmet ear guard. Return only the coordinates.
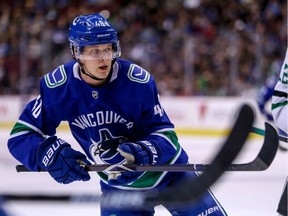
(75, 54)
(116, 49)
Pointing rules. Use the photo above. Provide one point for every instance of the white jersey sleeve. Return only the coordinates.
(279, 98)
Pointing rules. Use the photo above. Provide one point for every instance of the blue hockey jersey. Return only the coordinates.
(125, 108)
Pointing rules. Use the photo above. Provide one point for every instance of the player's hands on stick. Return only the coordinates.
(134, 154)
(61, 161)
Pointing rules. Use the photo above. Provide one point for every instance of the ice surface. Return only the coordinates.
(240, 193)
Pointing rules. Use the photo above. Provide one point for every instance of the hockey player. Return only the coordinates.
(280, 115)
(113, 110)
(265, 95)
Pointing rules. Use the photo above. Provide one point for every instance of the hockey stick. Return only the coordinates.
(260, 163)
(261, 132)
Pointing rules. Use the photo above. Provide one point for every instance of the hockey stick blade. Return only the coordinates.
(191, 189)
(267, 152)
(261, 132)
(260, 163)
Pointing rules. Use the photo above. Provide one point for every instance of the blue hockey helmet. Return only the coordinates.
(92, 29)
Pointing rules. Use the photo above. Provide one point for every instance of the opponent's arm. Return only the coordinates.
(264, 95)
(280, 100)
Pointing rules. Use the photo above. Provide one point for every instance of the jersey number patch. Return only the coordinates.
(284, 78)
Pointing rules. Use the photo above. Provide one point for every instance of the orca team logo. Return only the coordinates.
(104, 151)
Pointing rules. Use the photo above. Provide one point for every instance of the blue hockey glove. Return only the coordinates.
(134, 154)
(61, 161)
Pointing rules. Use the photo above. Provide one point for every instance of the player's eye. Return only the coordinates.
(98, 53)
(95, 52)
(108, 50)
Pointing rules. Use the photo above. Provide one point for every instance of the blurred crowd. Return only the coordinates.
(192, 47)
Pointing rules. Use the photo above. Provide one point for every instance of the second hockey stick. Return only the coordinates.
(261, 132)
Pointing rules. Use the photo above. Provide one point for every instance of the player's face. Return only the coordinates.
(97, 60)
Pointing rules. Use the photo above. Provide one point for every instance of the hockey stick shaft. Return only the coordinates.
(152, 168)
(141, 168)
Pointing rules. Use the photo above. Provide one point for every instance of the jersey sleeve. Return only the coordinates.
(156, 128)
(279, 99)
(35, 123)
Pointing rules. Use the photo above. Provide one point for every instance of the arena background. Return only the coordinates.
(204, 55)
